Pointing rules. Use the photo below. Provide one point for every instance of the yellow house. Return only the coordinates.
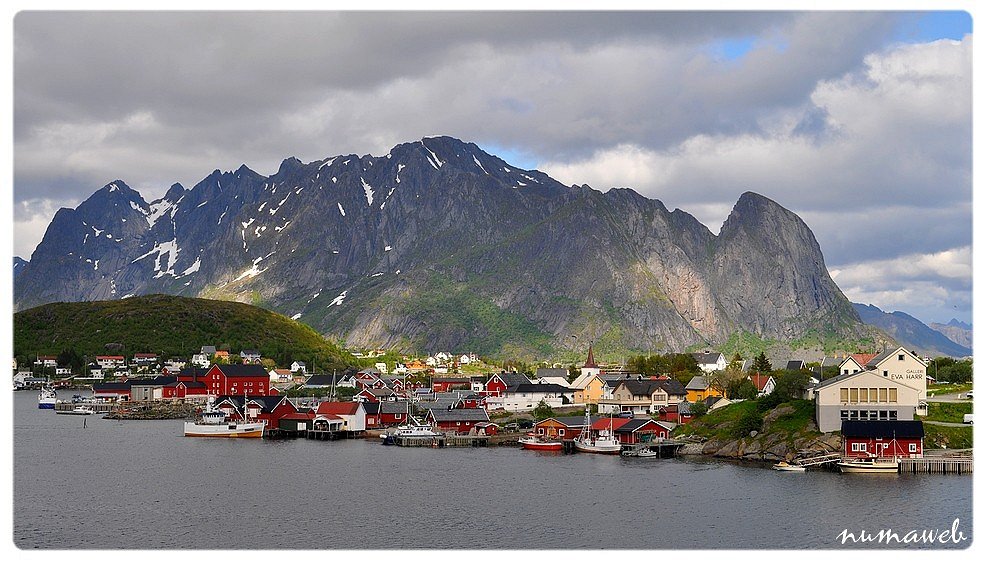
(590, 389)
(699, 389)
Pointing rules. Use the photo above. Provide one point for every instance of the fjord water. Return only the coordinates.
(141, 485)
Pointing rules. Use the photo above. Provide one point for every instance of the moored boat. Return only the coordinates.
(47, 398)
(214, 423)
(600, 442)
(785, 466)
(869, 465)
(532, 442)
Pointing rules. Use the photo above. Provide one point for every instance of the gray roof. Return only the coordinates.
(880, 358)
(570, 421)
(551, 373)
(475, 414)
(538, 388)
(208, 350)
(513, 378)
(834, 379)
(393, 407)
(706, 358)
(648, 387)
(437, 404)
(830, 361)
(795, 365)
(697, 383)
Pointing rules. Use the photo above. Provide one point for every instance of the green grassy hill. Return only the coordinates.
(171, 326)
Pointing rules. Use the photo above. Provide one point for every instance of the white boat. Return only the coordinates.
(47, 398)
(533, 442)
(600, 442)
(869, 465)
(639, 453)
(785, 466)
(77, 410)
(214, 423)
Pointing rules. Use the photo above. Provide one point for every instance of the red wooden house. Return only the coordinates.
(116, 390)
(676, 413)
(237, 379)
(498, 383)
(450, 384)
(457, 420)
(393, 413)
(371, 414)
(641, 430)
(268, 409)
(375, 394)
(883, 439)
(560, 427)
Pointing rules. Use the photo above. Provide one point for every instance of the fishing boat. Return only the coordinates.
(215, 423)
(869, 465)
(77, 410)
(599, 442)
(639, 453)
(785, 466)
(533, 442)
(47, 398)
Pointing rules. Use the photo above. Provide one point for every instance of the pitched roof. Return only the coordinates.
(706, 357)
(373, 407)
(321, 379)
(697, 383)
(511, 379)
(795, 365)
(186, 384)
(242, 370)
(551, 373)
(648, 386)
(575, 421)
(338, 407)
(208, 350)
(862, 358)
(267, 402)
(759, 380)
(476, 414)
(606, 422)
(392, 407)
(111, 386)
(633, 424)
(883, 429)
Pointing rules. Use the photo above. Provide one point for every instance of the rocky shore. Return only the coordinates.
(770, 443)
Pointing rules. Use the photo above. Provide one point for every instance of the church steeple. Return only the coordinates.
(590, 363)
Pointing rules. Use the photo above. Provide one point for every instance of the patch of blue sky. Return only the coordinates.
(733, 49)
(924, 27)
(513, 156)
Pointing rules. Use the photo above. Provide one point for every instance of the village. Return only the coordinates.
(876, 401)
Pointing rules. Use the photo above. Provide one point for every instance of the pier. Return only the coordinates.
(98, 407)
(954, 465)
(662, 448)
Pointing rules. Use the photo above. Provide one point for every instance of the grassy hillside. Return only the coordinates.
(171, 325)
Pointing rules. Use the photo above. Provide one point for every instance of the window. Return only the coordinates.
(900, 357)
(912, 448)
(844, 395)
(893, 395)
(854, 415)
(542, 430)
(562, 432)
(864, 415)
(853, 395)
(893, 414)
(844, 414)
(883, 395)
(883, 415)
(885, 372)
(863, 395)
(858, 446)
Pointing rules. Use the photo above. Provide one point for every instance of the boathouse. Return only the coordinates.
(560, 427)
(457, 420)
(351, 413)
(883, 439)
(237, 379)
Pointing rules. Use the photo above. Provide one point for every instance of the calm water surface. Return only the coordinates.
(141, 485)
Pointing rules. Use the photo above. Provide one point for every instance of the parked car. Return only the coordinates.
(526, 424)
(968, 394)
(511, 427)
(967, 419)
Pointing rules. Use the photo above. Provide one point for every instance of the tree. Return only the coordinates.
(698, 409)
(761, 364)
(751, 421)
(790, 384)
(542, 411)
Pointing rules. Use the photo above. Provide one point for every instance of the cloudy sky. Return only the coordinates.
(858, 121)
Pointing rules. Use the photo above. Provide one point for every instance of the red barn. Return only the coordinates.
(449, 384)
(498, 383)
(237, 379)
(882, 439)
(181, 389)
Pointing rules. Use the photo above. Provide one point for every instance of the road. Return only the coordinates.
(944, 424)
(950, 398)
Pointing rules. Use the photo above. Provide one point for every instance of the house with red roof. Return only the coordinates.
(763, 383)
(352, 413)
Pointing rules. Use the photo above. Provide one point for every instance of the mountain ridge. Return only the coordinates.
(911, 332)
(370, 249)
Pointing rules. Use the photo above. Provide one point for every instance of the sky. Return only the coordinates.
(860, 122)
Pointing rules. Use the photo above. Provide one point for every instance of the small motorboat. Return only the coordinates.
(77, 410)
(533, 442)
(785, 466)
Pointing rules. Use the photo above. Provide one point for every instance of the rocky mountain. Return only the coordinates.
(438, 244)
(19, 265)
(957, 331)
(911, 332)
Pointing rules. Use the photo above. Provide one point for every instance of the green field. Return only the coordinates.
(724, 423)
(947, 412)
(938, 436)
(948, 389)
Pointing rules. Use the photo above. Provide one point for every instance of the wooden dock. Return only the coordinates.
(276, 434)
(661, 448)
(824, 460)
(107, 407)
(954, 465)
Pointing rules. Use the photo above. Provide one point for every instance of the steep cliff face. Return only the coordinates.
(438, 244)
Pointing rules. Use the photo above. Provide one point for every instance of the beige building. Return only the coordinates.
(864, 396)
(644, 396)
